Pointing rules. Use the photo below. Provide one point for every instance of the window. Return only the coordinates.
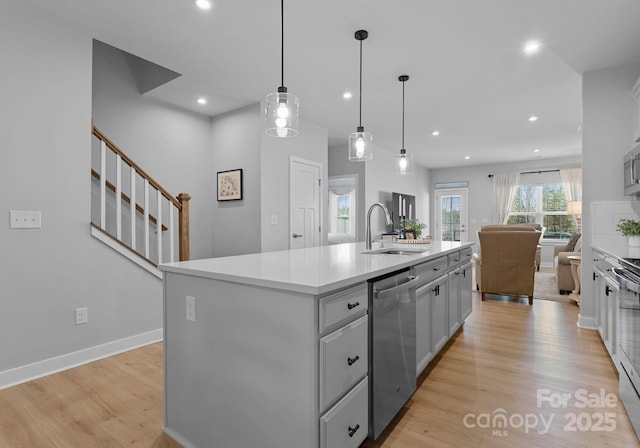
(342, 209)
(545, 204)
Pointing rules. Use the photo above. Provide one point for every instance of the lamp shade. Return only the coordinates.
(281, 114)
(574, 207)
(403, 163)
(360, 145)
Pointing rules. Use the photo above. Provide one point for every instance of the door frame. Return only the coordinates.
(464, 210)
(292, 160)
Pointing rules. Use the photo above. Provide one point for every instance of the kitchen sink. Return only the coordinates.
(395, 251)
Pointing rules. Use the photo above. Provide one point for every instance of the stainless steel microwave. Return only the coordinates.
(632, 172)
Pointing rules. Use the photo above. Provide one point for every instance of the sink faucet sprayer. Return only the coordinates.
(386, 213)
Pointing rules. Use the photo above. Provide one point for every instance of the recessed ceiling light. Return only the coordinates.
(533, 118)
(347, 95)
(467, 157)
(202, 101)
(536, 150)
(203, 4)
(531, 47)
(435, 133)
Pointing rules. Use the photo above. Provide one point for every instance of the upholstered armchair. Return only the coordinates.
(562, 265)
(506, 265)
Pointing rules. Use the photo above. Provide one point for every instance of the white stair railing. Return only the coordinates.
(146, 222)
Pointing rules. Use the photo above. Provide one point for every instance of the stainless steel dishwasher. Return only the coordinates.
(392, 348)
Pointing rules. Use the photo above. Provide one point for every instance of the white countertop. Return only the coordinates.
(315, 270)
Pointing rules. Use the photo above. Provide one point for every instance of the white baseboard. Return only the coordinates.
(46, 367)
(177, 437)
(586, 322)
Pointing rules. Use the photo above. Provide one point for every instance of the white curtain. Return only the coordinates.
(572, 184)
(504, 191)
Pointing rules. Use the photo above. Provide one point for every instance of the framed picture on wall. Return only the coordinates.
(230, 185)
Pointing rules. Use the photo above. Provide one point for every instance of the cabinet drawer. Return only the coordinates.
(465, 255)
(454, 259)
(344, 360)
(347, 423)
(341, 306)
(431, 270)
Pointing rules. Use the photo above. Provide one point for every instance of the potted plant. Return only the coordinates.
(415, 226)
(631, 229)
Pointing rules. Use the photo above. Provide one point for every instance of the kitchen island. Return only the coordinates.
(255, 344)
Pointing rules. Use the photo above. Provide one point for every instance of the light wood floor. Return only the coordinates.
(505, 354)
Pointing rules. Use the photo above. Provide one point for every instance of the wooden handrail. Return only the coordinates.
(135, 166)
(126, 198)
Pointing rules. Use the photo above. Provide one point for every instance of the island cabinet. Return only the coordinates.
(264, 367)
(272, 350)
(443, 302)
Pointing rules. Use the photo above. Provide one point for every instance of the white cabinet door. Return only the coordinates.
(466, 289)
(439, 314)
(347, 423)
(424, 347)
(612, 292)
(454, 302)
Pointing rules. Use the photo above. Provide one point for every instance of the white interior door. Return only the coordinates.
(451, 215)
(304, 209)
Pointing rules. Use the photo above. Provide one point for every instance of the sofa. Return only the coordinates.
(562, 265)
(506, 264)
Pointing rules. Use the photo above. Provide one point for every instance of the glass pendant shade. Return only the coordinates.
(403, 163)
(281, 114)
(360, 145)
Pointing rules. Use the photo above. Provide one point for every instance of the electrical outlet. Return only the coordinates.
(191, 309)
(82, 316)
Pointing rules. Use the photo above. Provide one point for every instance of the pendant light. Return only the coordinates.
(403, 162)
(282, 108)
(360, 142)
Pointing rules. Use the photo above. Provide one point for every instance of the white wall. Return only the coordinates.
(171, 144)
(607, 135)
(380, 183)
(45, 122)
(236, 144)
(311, 144)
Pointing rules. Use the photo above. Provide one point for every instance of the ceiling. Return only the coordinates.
(469, 78)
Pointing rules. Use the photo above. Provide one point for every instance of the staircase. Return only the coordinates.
(134, 214)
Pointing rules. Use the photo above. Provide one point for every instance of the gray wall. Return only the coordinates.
(340, 165)
(171, 144)
(45, 119)
(311, 144)
(381, 183)
(607, 135)
(236, 144)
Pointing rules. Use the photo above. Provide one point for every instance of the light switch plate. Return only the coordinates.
(25, 219)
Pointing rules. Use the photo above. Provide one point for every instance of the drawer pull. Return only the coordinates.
(352, 361)
(436, 269)
(352, 431)
(352, 305)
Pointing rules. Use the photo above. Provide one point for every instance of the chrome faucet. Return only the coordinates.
(386, 213)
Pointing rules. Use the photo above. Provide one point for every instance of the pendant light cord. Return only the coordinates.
(282, 43)
(403, 114)
(360, 83)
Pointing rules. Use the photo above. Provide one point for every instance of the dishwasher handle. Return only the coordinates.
(381, 295)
